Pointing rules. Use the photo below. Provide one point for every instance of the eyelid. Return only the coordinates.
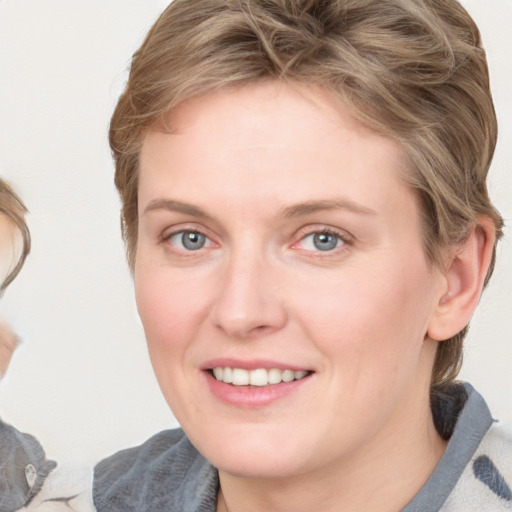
(306, 231)
(170, 232)
(178, 240)
(180, 227)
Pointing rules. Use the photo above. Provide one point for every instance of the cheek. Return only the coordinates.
(168, 308)
(169, 314)
(376, 312)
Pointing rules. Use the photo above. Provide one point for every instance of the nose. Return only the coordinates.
(248, 303)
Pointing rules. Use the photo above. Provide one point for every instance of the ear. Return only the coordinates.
(463, 281)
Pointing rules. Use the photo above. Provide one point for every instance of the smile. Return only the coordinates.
(257, 377)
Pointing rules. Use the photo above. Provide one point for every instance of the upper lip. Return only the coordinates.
(252, 364)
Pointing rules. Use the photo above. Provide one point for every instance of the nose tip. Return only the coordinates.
(248, 303)
(244, 327)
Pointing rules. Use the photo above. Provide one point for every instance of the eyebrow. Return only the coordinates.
(329, 204)
(295, 210)
(176, 206)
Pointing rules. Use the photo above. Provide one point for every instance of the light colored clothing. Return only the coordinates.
(31, 482)
(66, 489)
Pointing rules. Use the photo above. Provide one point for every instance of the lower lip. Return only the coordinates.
(251, 397)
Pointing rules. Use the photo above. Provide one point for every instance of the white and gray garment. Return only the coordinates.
(30, 482)
(167, 474)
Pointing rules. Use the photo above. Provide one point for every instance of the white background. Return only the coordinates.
(81, 381)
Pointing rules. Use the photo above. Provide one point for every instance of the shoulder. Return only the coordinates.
(155, 476)
(486, 483)
(474, 474)
(29, 481)
(126, 463)
(497, 444)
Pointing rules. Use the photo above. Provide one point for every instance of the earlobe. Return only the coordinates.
(464, 279)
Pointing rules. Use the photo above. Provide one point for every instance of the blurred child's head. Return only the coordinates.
(14, 247)
(14, 235)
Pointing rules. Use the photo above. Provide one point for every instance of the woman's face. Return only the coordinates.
(279, 247)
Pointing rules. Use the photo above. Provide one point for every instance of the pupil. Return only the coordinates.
(193, 241)
(325, 241)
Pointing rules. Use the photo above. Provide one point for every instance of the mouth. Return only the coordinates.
(259, 377)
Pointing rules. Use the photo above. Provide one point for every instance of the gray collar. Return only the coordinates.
(473, 422)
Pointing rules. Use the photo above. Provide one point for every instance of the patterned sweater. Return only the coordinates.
(167, 474)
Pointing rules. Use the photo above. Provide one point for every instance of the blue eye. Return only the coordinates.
(189, 240)
(322, 241)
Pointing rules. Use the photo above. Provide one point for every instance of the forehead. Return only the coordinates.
(258, 111)
(267, 131)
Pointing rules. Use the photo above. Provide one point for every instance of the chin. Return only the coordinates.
(259, 465)
(254, 451)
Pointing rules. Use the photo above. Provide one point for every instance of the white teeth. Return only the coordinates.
(240, 377)
(258, 377)
(274, 376)
(288, 375)
(227, 375)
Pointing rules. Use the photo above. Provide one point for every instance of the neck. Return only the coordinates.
(382, 476)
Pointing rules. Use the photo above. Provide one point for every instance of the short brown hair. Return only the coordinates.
(413, 70)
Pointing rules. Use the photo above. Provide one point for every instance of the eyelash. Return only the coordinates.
(343, 241)
(166, 238)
